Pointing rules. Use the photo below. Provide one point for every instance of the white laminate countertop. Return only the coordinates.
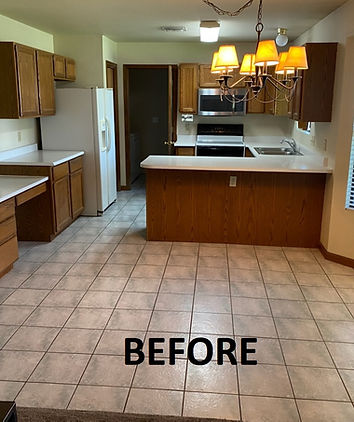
(42, 158)
(11, 186)
(282, 164)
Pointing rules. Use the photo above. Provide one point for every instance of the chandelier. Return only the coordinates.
(256, 67)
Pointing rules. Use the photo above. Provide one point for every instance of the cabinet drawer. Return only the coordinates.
(30, 194)
(185, 151)
(60, 171)
(8, 253)
(75, 164)
(7, 229)
(7, 209)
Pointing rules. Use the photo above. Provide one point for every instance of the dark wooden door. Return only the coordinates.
(27, 80)
(45, 83)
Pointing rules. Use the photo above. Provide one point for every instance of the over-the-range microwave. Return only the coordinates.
(211, 104)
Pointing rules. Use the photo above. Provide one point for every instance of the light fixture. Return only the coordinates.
(279, 69)
(296, 59)
(255, 73)
(248, 67)
(266, 54)
(173, 28)
(282, 39)
(209, 31)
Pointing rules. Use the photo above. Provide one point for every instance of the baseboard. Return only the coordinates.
(349, 262)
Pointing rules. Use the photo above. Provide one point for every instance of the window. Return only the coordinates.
(350, 191)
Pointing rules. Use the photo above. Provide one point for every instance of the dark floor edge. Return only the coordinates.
(29, 414)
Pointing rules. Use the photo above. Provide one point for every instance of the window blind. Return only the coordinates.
(350, 190)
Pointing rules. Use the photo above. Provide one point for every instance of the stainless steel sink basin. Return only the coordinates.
(276, 151)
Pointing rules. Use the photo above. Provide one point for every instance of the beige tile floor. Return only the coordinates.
(67, 306)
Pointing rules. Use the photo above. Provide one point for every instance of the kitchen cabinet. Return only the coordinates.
(64, 68)
(55, 210)
(45, 83)
(208, 79)
(313, 98)
(188, 88)
(8, 239)
(186, 151)
(61, 190)
(254, 106)
(26, 82)
(76, 187)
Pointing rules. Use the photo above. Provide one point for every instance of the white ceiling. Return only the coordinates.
(140, 20)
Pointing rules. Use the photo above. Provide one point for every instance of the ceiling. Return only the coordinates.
(140, 20)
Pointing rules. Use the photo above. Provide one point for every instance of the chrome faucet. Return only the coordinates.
(292, 143)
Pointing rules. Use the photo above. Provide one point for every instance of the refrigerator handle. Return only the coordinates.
(108, 135)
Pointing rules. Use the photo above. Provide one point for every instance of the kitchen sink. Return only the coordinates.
(276, 151)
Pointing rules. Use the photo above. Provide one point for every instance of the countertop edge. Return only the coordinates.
(42, 164)
(250, 170)
(25, 188)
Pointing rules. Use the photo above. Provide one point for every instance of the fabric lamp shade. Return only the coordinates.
(267, 53)
(213, 65)
(247, 66)
(227, 58)
(296, 59)
(279, 70)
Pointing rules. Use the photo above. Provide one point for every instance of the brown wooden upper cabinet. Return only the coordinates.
(26, 82)
(45, 83)
(313, 98)
(64, 68)
(188, 88)
(208, 79)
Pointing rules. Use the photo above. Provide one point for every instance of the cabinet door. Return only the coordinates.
(188, 88)
(189, 151)
(62, 203)
(70, 71)
(45, 83)
(270, 93)
(77, 200)
(206, 78)
(27, 81)
(255, 106)
(59, 67)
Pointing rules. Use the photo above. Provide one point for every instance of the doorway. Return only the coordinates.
(112, 82)
(150, 109)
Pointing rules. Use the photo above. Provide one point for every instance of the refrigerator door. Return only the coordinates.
(101, 144)
(111, 146)
(73, 128)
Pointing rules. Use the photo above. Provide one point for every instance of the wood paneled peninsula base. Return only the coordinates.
(265, 208)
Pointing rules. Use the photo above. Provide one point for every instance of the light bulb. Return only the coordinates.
(282, 39)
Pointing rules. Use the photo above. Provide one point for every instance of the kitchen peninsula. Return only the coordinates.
(264, 200)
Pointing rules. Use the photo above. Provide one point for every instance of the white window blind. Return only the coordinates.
(350, 191)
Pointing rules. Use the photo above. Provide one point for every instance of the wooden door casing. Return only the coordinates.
(45, 83)
(27, 81)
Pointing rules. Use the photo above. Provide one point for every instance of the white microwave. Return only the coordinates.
(211, 104)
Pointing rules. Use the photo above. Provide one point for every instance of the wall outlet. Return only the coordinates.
(233, 181)
(325, 144)
(19, 136)
(188, 118)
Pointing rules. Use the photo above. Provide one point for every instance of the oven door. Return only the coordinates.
(210, 103)
(219, 151)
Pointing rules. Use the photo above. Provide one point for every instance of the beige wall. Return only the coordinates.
(174, 53)
(338, 223)
(109, 53)
(25, 129)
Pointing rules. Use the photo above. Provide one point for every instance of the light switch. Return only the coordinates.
(233, 181)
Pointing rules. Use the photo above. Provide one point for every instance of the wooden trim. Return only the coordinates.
(349, 262)
(114, 67)
(30, 194)
(126, 68)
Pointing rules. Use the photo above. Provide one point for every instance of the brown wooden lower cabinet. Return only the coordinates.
(275, 209)
(185, 151)
(57, 208)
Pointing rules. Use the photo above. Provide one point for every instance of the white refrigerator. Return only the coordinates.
(84, 121)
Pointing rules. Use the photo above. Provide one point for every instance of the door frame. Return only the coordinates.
(114, 67)
(126, 68)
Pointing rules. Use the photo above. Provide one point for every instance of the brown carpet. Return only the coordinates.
(26, 414)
